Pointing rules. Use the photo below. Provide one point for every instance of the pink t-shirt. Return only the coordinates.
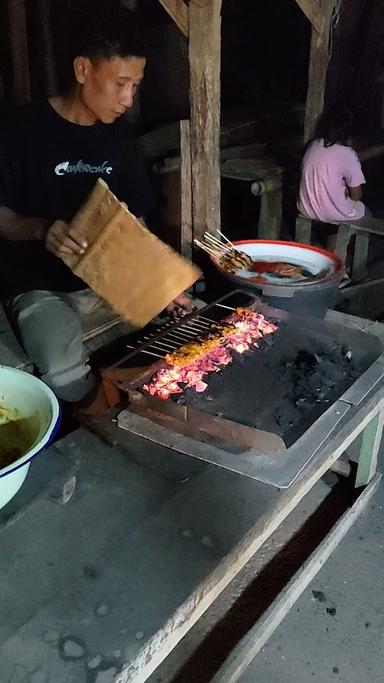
(325, 173)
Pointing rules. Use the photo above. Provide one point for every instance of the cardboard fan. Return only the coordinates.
(132, 269)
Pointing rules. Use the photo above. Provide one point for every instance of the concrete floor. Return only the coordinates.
(335, 631)
(339, 637)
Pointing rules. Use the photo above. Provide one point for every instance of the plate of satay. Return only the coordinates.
(269, 262)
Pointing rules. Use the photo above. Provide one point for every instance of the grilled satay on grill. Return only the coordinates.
(193, 350)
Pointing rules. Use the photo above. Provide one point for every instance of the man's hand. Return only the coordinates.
(180, 306)
(60, 240)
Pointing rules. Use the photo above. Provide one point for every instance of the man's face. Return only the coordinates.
(107, 88)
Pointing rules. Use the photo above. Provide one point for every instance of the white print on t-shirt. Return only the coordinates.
(81, 167)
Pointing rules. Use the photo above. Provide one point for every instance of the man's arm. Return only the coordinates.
(15, 227)
(57, 238)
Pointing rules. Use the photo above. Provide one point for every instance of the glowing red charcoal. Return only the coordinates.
(188, 366)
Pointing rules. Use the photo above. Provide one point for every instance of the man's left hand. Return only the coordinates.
(180, 306)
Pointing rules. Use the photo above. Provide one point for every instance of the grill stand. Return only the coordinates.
(367, 418)
(254, 453)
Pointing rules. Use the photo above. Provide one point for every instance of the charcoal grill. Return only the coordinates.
(266, 415)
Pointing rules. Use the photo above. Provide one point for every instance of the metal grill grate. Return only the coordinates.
(171, 336)
(155, 341)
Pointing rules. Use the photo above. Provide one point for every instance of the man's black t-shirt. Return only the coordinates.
(47, 168)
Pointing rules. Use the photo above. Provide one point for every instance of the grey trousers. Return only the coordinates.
(49, 328)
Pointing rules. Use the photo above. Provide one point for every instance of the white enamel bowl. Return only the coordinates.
(320, 263)
(26, 397)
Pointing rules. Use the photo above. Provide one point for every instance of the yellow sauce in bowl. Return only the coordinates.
(17, 434)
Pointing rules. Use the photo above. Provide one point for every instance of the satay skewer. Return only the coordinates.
(233, 246)
(235, 254)
(215, 242)
(229, 257)
(211, 251)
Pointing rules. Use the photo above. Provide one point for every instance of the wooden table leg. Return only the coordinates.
(360, 257)
(303, 230)
(371, 440)
(344, 234)
(270, 215)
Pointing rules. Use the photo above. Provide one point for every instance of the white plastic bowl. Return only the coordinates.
(30, 398)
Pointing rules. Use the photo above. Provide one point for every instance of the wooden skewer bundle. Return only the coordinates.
(229, 256)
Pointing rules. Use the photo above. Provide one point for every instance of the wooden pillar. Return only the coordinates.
(186, 236)
(44, 10)
(318, 67)
(19, 50)
(205, 60)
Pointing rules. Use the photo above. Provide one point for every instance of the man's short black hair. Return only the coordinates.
(101, 29)
(98, 29)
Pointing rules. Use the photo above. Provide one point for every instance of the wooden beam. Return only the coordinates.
(178, 10)
(312, 11)
(317, 72)
(204, 61)
(186, 235)
(44, 9)
(19, 50)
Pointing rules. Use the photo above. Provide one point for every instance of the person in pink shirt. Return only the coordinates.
(331, 176)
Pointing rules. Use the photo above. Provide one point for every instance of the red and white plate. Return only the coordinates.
(283, 263)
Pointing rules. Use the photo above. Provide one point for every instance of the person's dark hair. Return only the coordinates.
(336, 126)
(98, 29)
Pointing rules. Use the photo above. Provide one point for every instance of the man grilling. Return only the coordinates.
(51, 155)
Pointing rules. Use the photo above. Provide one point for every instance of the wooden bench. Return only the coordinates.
(265, 177)
(11, 353)
(261, 172)
(361, 229)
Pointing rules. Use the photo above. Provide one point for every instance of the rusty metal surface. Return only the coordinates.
(202, 426)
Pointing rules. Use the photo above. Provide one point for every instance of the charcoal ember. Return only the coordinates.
(282, 386)
(192, 363)
(312, 377)
(179, 399)
(286, 417)
(266, 342)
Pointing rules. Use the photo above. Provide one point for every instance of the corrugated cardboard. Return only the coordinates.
(125, 263)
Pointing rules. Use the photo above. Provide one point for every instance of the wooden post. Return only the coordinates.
(49, 58)
(19, 50)
(178, 10)
(318, 67)
(313, 11)
(186, 236)
(204, 60)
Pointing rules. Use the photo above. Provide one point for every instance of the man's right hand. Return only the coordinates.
(60, 240)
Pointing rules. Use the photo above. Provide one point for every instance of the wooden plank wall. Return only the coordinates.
(19, 50)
